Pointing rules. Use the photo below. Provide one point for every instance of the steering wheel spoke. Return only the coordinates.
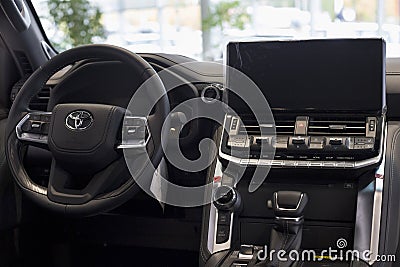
(69, 188)
(33, 129)
(135, 133)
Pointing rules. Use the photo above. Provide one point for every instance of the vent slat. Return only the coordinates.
(338, 133)
(282, 126)
(337, 126)
(334, 121)
(324, 126)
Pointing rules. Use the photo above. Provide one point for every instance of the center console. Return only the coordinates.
(323, 152)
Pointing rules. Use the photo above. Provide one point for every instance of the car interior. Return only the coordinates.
(285, 149)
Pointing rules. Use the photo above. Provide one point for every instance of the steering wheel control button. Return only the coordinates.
(45, 118)
(135, 132)
(35, 117)
(31, 126)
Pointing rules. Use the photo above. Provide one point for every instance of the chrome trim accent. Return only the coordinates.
(296, 219)
(234, 197)
(377, 207)
(46, 49)
(212, 246)
(210, 100)
(376, 219)
(239, 264)
(245, 256)
(286, 209)
(30, 137)
(306, 163)
(139, 144)
(369, 211)
(36, 188)
(78, 118)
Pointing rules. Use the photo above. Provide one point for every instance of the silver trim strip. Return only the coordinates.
(286, 209)
(377, 207)
(297, 219)
(46, 49)
(246, 256)
(369, 212)
(210, 100)
(376, 219)
(212, 246)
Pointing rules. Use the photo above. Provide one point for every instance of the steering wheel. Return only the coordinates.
(88, 173)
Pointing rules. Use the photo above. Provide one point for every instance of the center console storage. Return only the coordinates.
(326, 142)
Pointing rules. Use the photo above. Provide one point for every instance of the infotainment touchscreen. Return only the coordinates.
(321, 75)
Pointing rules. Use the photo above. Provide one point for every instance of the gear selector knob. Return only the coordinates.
(289, 204)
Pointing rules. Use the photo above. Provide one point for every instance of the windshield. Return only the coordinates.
(201, 28)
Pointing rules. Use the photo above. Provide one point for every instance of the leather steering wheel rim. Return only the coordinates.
(20, 107)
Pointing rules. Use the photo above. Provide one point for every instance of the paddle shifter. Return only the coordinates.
(286, 233)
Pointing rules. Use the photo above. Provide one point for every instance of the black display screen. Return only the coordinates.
(322, 75)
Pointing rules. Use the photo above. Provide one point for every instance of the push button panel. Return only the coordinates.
(305, 139)
(223, 226)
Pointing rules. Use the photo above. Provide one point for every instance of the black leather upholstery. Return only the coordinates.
(8, 203)
(390, 225)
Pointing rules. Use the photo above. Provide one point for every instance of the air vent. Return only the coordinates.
(337, 126)
(40, 101)
(283, 126)
(24, 62)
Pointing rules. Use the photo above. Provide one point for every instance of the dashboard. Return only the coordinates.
(334, 144)
(353, 136)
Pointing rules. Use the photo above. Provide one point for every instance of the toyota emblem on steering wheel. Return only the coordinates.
(79, 120)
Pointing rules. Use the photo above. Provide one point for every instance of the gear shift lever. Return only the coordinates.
(286, 233)
(289, 204)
